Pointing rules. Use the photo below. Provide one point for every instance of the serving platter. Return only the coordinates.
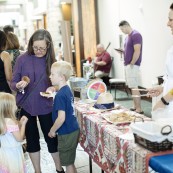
(119, 116)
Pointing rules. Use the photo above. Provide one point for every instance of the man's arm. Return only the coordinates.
(100, 63)
(105, 60)
(136, 54)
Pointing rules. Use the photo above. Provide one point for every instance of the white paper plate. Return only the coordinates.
(95, 89)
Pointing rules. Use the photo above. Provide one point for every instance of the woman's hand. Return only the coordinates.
(156, 91)
(21, 85)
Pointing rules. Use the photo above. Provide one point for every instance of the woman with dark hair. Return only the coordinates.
(35, 65)
(8, 28)
(5, 65)
(12, 47)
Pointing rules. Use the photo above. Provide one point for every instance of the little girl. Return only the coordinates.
(11, 135)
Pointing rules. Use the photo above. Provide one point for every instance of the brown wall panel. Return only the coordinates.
(66, 11)
(66, 36)
(78, 36)
(85, 30)
(89, 27)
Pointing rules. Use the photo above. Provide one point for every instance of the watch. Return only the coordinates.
(164, 101)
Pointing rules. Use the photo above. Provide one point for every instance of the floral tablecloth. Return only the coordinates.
(111, 146)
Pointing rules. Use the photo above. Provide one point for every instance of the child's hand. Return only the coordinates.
(46, 94)
(51, 90)
(23, 120)
(51, 134)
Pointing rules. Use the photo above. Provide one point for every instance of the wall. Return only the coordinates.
(89, 27)
(54, 18)
(85, 31)
(148, 17)
(78, 30)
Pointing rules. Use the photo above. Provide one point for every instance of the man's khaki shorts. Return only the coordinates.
(132, 75)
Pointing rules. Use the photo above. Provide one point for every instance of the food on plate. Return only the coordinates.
(46, 94)
(26, 79)
(121, 117)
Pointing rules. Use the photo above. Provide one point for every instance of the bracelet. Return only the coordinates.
(164, 101)
(171, 92)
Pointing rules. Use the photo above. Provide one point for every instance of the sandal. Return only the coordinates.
(60, 171)
(132, 109)
(142, 112)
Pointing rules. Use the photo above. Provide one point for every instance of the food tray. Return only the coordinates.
(119, 116)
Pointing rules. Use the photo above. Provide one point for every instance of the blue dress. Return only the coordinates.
(11, 153)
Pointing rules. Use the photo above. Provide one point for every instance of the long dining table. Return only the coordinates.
(111, 146)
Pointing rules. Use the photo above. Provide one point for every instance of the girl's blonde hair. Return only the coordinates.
(64, 68)
(7, 109)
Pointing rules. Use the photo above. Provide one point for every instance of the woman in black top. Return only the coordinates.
(5, 65)
(12, 47)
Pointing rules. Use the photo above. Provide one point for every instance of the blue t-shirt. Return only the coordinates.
(64, 101)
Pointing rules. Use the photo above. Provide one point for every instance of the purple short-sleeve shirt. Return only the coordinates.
(134, 38)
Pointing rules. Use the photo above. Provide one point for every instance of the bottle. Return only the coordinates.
(83, 93)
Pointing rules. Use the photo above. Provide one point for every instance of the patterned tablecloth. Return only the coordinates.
(111, 146)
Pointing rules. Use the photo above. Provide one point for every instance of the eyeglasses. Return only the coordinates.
(41, 49)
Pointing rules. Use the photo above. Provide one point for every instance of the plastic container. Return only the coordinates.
(77, 82)
(149, 130)
(153, 136)
(88, 70)
(83, 93)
